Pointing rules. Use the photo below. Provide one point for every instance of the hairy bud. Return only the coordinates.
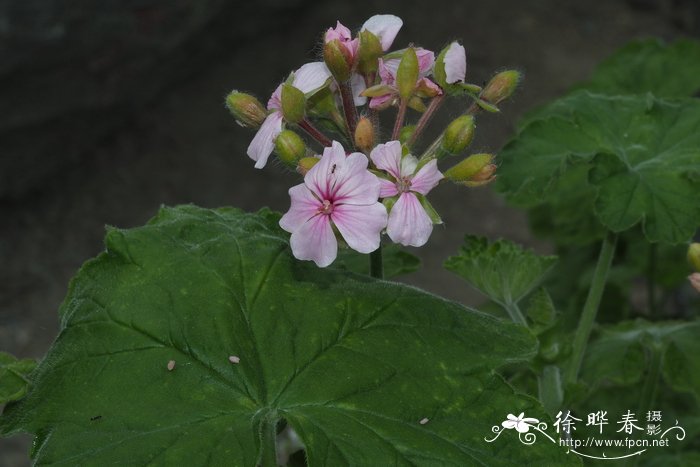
(501, 86)
(246, 109)
(475, 170)
(293, 103)
(694, 256)
(338, 60)
(459, 134)
(364, 134)
(290, 148)
(306, 163)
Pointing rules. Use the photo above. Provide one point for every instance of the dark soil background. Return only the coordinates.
(110, 109)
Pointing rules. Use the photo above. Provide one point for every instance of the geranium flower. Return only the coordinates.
(387, 73)
(520, 423)
(408, 224)
(344, 36)
(455, 63)
(308, 79)
(338, 192)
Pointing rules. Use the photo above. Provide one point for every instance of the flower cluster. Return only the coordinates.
(359, 187)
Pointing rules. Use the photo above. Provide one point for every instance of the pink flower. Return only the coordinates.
(343, 35)
(455, 63)
(387, 73)
(385, 27)
(409, 224)
(337, 192)
(309, 78)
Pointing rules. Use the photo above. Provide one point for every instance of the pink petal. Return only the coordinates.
(357, 83)
(381, 102)
(408, 165)
(353, 183)
(387, 188)
(455, 63)
(275, 102)
(409, 224)
(426, 59)
(339, 32)
(315, 241)
(263, 142)
(311, 77)
(387, 70)
(427, 178)
(319, 179)
(304, 206)
(425, 85)
(387, 157)
(360, 226)
(385, 27)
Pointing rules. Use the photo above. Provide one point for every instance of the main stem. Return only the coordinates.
(349, 109)
(315, 133)
(590, 308)
(403, 106)
(376, 264)
(268, 445)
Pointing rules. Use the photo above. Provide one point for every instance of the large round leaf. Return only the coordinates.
(367, 372)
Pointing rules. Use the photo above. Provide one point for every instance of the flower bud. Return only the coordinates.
(501, 86)
(475, 170)
(338, 60)
(246, 109)
(290, 147)
(694, 256)
(407, 74)
(459, 134)
(406, 133)
(293, 103)
(364, 134)
(306, 163)
(369, 51)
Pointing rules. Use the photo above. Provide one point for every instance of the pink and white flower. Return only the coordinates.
(388, 70)
(337, 192)
(409, 224)
(455, 61)
(344, 36)
(309, 78)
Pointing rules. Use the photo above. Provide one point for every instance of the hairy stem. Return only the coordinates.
(376, 264)
(315, 133)
(425, 118)
(268, 443)
(349, 109)
(549, 389)
(400, 115)
(590, 308)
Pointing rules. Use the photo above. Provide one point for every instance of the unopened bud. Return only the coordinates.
(406, 133)
(407, 74)
(293, 103)
(459, 134)
(369, 51)
(306, 163)
(364, 134)
(475, 170)
(338, 60)
(246, 109)
(694, 256)
(290, 147)
(501, 86)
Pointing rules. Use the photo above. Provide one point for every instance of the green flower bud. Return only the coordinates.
(501, 86)
(338, 60)
(407, 74)
(306, 163)
(406, 133)
(694, 255)
(368, 53)
(293, 103)
(246, 109)
(475, 170)
(364, 134)
(459, 134)
(290, 147)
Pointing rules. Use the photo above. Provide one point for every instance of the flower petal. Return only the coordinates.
(353, 183)
(275, 102)
(360, 226)
(426, 59)
(387, 157)
(387, 188)
(311, 77)
(522, 427)
(304, 206)
(381, 102)
(357, 83)
(427, 178)
(315, 241)
(455, 63)
(385, 27)
(339, 32)
(319, 179)
(263, 142)
(508, 424)
(408, 165)
(409, 224)
(387, 70)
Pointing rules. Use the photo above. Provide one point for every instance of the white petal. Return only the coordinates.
(455, 63)
(387, 157)
(311, 77)
(263, 142)
(427, 178)
(385, 27)
(315, 241)
(409, 224)
(357, 83)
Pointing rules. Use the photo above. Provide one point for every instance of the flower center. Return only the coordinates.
(403, 185)
(326, 208)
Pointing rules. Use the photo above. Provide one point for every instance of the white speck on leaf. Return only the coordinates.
(234, 359)
(171, 365)
(424, 421)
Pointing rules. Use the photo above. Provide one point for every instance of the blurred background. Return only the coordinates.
(110, 109)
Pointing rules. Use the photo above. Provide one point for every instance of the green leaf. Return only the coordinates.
(643, 154)
(619, 354)
(14, 381)
(353, 364)
(501, 270)
(665, 70)
(396, 261)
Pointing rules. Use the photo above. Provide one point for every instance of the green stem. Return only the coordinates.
(549, 389)
(268, 443)
(590, 308)
(376, 266)
(651, 274)
(514, 312)
(652, 381)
